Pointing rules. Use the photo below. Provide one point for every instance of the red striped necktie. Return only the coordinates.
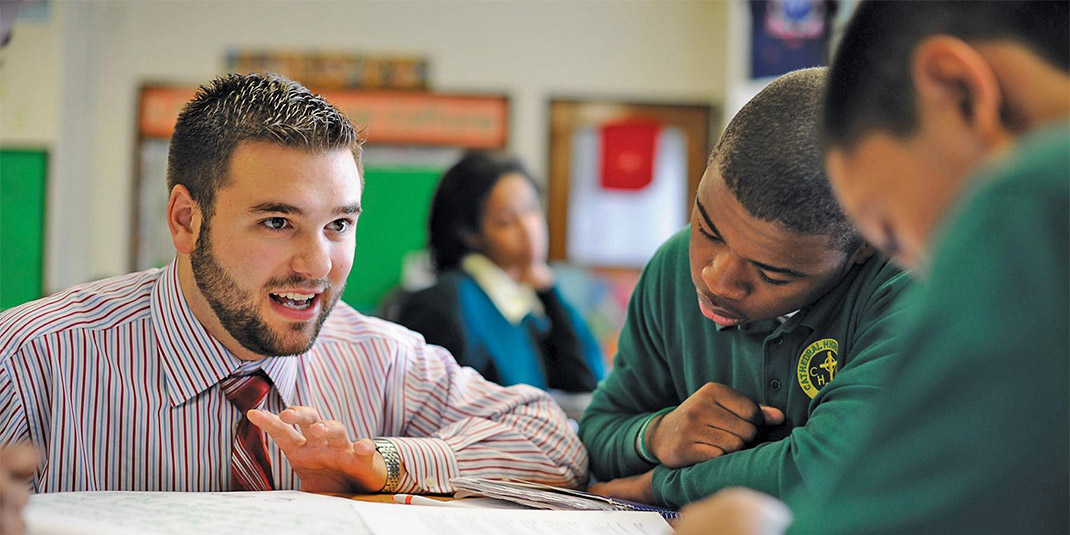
(250, 468)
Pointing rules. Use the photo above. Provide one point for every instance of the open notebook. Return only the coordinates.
(546, 497)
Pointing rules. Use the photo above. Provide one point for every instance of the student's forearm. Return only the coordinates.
(767, 468)
(610, 441)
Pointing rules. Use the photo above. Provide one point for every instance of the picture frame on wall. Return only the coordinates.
(622, 177)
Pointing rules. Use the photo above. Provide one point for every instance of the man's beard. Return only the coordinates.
(237, 308)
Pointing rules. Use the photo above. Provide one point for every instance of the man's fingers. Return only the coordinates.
(773, 415)
(281, 432)
(333, 432)
(732, 401)
(702, 451)
(723, 440)
(303, 417)
(364, 446)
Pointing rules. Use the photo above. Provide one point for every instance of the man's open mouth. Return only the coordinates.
(293, 300)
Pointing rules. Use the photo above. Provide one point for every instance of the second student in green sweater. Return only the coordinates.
(758, 338)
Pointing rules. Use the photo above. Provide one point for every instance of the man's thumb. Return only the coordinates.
(773, 415)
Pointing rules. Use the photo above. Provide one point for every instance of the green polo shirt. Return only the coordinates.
(823, 367)
(973, 436)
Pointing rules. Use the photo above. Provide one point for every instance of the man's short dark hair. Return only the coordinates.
(771, 160)
(253, 107)
(870, 85)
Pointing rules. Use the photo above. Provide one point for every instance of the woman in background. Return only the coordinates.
(495, 304)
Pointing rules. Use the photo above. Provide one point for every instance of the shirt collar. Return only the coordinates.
(192, 360)
(513, 300)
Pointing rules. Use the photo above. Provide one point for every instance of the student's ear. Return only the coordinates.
(861, 254)
(953, 81)
(472, 240)
(183, 219)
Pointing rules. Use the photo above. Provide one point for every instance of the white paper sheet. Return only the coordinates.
(292, 512)
(201, 513)
(385, 519)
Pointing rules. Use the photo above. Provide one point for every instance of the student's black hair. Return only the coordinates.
(457, 206)
(771, 160)
(870, 85)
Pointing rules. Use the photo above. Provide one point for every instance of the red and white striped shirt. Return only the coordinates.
(117, 384)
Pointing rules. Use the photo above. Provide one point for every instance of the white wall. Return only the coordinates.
(77, 76)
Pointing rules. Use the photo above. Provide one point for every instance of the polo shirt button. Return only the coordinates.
(774, 384)
(778, 341)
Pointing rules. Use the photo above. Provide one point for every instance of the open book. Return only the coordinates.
(546, 497)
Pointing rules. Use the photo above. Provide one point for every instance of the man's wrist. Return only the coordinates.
(392, 459)
(640, 439)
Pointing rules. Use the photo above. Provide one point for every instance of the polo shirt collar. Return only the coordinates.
(191, 359)
(818, 313)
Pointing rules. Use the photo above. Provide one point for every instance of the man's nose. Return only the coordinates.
(313, 258)
(726, 276)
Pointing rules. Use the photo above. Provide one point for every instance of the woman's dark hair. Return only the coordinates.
(457, 207)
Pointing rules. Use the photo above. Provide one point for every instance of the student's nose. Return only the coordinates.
(532, 225)
(725, 276)
(312, 258)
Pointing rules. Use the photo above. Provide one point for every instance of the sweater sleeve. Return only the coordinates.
(838, 418)
(638, 386)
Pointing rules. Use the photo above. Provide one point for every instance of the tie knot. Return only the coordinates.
(246, 391)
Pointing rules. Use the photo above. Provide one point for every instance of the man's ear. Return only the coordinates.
(861, 254)
(183, 219)
(953, 80)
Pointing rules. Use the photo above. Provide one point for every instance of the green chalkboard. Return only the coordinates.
(396, 202)
(22, 225)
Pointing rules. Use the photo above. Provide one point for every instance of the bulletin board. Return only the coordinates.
(411, 137)
(23, 175)
(579, 127)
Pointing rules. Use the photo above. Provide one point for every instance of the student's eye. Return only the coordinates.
(774, 282)
(340, 226)
(275, 223)
(709, 236)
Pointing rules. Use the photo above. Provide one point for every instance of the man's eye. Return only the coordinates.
(774, 282)
(275, 223)
(340, 225)
(708, 236)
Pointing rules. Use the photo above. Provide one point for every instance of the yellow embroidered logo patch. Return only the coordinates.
(818, 365)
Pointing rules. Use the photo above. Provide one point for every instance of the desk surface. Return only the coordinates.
(380, 498)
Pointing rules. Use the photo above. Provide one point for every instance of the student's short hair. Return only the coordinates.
(870, 85)
(771, 160)
(252, 107)
(458, 203)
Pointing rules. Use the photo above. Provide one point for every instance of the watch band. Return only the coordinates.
(393, 464)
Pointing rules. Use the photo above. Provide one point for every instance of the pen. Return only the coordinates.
(410, 499)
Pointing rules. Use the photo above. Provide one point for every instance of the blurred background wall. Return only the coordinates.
(70, 77)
